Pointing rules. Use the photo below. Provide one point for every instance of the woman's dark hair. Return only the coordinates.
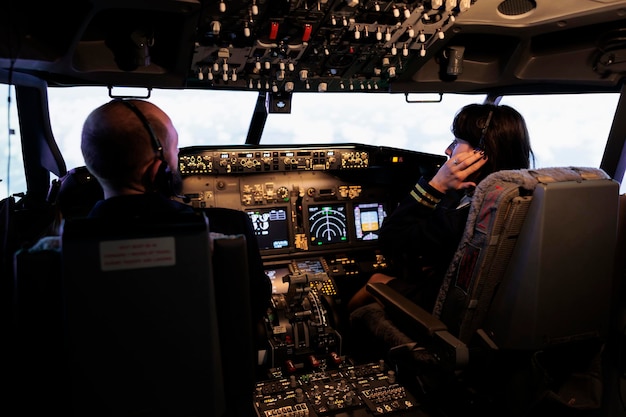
(498, 130)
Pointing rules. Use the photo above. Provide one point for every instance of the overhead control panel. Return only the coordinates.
(318, 45)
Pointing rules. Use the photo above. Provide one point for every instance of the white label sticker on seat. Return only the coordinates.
(137, 253)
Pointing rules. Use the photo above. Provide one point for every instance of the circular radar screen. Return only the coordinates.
(327, 224)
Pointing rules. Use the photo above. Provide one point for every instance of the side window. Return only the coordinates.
(12, 178)
(568, 129)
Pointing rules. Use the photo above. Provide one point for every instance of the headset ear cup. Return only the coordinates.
(162, 182)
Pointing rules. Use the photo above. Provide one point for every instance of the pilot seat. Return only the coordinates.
(522, 316)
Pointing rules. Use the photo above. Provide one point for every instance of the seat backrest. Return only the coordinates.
(38, 314)
(237, 340)
(558, 285)
(236, 222)
(534, 239)
(141, 317)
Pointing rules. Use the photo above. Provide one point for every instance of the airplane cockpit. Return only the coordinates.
(316, 211)
(302, 126)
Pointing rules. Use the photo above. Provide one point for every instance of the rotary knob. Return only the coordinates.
(282, 193)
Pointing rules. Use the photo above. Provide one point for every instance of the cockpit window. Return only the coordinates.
(564, 129)
(567, 129)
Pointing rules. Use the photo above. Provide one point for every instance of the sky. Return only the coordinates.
(565, 130)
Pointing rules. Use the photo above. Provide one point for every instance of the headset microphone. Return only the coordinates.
(164, 179)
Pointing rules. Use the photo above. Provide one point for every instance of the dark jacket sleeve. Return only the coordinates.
(416, 236)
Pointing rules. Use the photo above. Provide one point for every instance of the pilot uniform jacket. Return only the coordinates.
(419, 240)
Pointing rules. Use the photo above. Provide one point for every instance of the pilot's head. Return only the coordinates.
(131, 146)
(500, 131)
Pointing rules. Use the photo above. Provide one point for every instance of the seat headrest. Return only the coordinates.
(77, 193)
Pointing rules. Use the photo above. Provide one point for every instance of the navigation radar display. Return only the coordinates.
(327, 224)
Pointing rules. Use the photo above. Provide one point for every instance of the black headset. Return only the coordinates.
(163, 180)
(481, 141)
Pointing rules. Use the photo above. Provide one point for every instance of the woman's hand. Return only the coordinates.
(452, 174)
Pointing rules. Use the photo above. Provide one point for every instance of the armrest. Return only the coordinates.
(398, 302)
(446, 346)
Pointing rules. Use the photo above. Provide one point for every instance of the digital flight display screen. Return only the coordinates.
(271, 227)
(327, 224)
(368, 218)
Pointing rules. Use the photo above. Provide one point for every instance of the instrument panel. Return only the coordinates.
(316, 212)
(305, 199)
(204, 161)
